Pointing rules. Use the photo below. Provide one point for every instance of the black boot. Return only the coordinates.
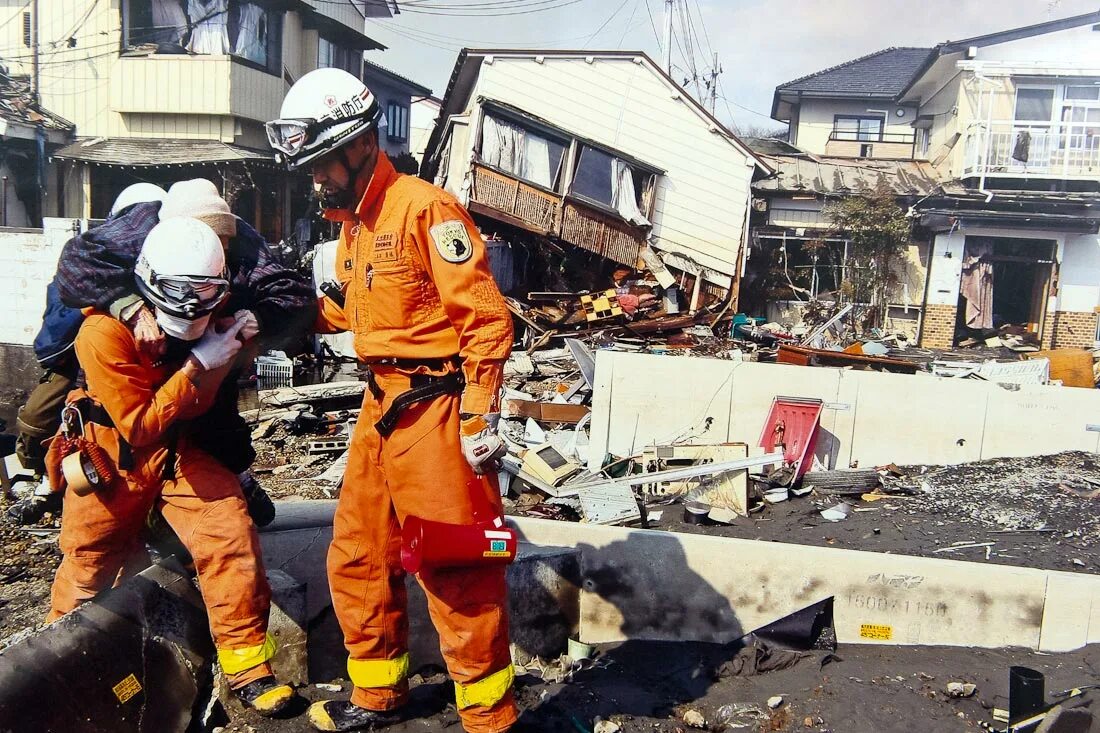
(343, 715)
(260, 506)
(32, 508)
(266, 695)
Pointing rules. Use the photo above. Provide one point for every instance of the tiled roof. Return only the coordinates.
(149, 153)
(883, 73)
(17, 105)
(830, 175)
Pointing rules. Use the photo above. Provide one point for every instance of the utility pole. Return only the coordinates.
(714, 72)
(34, 52)
(668, 36)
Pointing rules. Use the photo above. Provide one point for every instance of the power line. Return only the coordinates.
(626, 28)
(653, 25)
(604, 24)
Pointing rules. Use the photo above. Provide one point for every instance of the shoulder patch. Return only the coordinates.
(452, 241)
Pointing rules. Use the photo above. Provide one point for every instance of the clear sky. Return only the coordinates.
(760, 43)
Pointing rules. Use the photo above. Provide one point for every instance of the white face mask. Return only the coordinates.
(182, 328)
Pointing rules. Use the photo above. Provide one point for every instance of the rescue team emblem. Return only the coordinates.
(452, 241)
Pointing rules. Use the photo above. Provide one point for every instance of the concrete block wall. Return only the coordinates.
(1072, 328)
(939, 326)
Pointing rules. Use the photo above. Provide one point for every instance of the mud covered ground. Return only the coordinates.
(666, 687)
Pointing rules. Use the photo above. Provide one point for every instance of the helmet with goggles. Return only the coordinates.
(181, 272)
(324, 109)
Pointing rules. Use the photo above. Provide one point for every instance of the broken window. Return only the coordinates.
(858, 129)
(246, 30)
(521, 152)
(605, 179)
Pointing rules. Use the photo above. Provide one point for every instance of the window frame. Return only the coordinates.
(403, 113)
(858, 133)
(565, 141)
(273, 49)
(567, 169)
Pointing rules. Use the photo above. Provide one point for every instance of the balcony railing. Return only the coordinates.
(544, 212)
(855, 136)
(1016, 148)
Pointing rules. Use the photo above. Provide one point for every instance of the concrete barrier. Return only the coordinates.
(622, 584)
(870, 418)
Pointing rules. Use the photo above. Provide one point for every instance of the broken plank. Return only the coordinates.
(545, 411)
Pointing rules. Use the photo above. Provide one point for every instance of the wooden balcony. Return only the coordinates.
(520, 204)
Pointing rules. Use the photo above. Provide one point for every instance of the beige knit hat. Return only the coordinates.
(199, 199)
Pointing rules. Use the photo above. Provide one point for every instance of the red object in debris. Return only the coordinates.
(792, 423)
(629, 303)
(488, 541)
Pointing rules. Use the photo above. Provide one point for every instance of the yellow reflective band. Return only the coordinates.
(378, 672)
(238, 660)
(485, 692)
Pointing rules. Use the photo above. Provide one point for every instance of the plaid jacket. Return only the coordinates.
(96, 269)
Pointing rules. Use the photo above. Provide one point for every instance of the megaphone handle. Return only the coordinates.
(485, 509)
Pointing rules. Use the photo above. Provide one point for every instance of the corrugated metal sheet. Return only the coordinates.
(150, 152)
(825, 175)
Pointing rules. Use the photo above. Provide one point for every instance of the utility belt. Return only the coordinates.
(93, 412)
(422, 387)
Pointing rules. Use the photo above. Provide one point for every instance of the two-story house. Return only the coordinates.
(597, 153)
(1009, 125)
(395, 94)
(162, 90)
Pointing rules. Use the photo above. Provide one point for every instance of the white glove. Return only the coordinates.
(481, 446)
(251, 328)
(215, 350)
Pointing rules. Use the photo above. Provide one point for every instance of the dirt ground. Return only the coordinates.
(661, 687)
(27, 564)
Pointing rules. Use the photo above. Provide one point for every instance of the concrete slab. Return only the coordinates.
(642, 584)
(640, 400)
(1034, 417)
(288, 624)
(907, 419)
(870, 418)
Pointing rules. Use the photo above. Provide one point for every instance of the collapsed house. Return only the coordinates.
(587, 160)
(1005, 126)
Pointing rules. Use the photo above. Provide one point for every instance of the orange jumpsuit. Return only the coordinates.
(417, 287)
(101, 533)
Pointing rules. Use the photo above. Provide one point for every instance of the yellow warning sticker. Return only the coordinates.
(127, 688)
(490, 553)
(877, 632)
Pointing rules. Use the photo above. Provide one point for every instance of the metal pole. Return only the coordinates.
(34, 52)
(668, 36)
(714, 83)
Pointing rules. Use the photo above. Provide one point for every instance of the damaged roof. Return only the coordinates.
(17, 105)
(468, 66)
(830, 175)
(149, 152)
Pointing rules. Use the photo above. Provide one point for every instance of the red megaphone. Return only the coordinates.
(487, 541)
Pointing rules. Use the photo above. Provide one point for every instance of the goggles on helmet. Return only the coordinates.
(185, 296)
(291, 136)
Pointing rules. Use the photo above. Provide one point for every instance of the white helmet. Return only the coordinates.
(138, 193)
(323, 110)
(181, 272)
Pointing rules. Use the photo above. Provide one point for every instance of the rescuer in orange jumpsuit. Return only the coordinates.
(430, 323)
(136, 411)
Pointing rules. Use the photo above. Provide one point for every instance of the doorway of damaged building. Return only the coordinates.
(1004, 288)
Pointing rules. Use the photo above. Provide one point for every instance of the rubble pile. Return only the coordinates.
(1055, 494)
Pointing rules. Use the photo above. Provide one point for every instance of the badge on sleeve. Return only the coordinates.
(452, 241)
